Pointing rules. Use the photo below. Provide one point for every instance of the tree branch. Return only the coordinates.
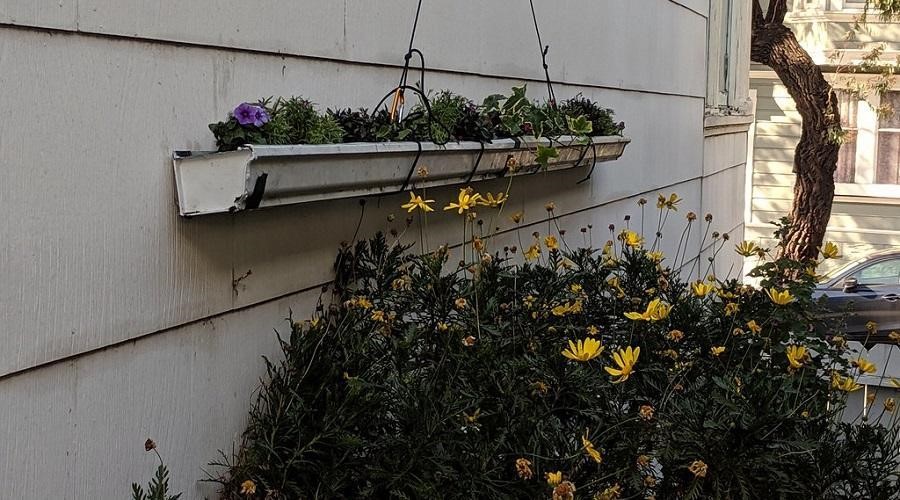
(758, 19)
(777, 11)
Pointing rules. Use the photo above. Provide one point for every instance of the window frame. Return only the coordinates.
(867, 127)
(728, 55)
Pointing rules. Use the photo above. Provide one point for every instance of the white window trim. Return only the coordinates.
(734, 96)
(866, 152)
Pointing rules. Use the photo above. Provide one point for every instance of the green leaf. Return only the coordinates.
(512, 124)
(580, 125)
(545, 154)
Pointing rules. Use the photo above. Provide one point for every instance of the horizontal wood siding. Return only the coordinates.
(122, 321)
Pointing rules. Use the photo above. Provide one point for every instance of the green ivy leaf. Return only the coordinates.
(579, 125)
(545, 154)
(512, 123)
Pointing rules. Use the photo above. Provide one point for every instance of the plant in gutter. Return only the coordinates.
(283, 121)
(447, 117)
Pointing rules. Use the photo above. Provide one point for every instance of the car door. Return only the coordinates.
(876, 297)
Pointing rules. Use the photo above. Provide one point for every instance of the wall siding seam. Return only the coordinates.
(318, 286)
(676, 2)
(246, 50)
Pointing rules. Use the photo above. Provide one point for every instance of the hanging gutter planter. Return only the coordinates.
(266, 176)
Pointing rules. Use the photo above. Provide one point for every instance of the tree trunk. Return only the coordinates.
(815, 159)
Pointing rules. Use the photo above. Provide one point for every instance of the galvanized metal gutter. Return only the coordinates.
(266, 176)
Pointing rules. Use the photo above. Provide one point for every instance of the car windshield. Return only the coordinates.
(834, 273)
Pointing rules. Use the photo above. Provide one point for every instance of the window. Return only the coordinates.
(886, 272)
(846, 167)
(719, 48)
(887, 157)
(869, 159)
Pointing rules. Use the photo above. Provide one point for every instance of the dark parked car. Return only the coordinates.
(865, 290)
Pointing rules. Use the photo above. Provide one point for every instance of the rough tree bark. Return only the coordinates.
(815, 159)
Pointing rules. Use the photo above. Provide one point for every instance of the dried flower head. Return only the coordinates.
(523, 468)
(614, 492)
(564, 491)
(149, 445)
(698, 468)
(646, 412)
(248, 488)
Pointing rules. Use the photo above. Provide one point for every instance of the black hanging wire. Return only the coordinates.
(399, 94)
(551, 95)
(544, 49)
(593, 148)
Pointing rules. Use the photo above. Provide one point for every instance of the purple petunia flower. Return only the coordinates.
(251, 114)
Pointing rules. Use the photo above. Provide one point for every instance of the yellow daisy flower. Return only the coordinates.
(551, 243)
(780, 298)
(416, 201)
(796, 355)
(465, 202)
(864, 365)
(493, 202)
(554, 478)
(657, 310)
(590, 450)
(755, 328)
(846, 384)
(583, 350)
(746, 249)
(701, 289)
(830, 251)
(631, 238)
(625, 359)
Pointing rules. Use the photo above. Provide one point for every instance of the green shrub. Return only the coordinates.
(576, 373)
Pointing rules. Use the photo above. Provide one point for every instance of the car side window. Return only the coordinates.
(886, 272)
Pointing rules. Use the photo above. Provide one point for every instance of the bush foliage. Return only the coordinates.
(558, 372)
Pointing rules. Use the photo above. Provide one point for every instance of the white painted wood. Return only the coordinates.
(494, 38)
(94, 255)
(52, 14)
(724, 151)
(271, 176)
(76, 430)
(728, 211)
(128, 266)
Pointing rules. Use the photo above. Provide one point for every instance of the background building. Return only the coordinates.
(121, 320)
(865, 215)
(866, 212)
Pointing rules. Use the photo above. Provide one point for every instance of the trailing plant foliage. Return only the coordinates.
(448, 117)
(574, 373)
